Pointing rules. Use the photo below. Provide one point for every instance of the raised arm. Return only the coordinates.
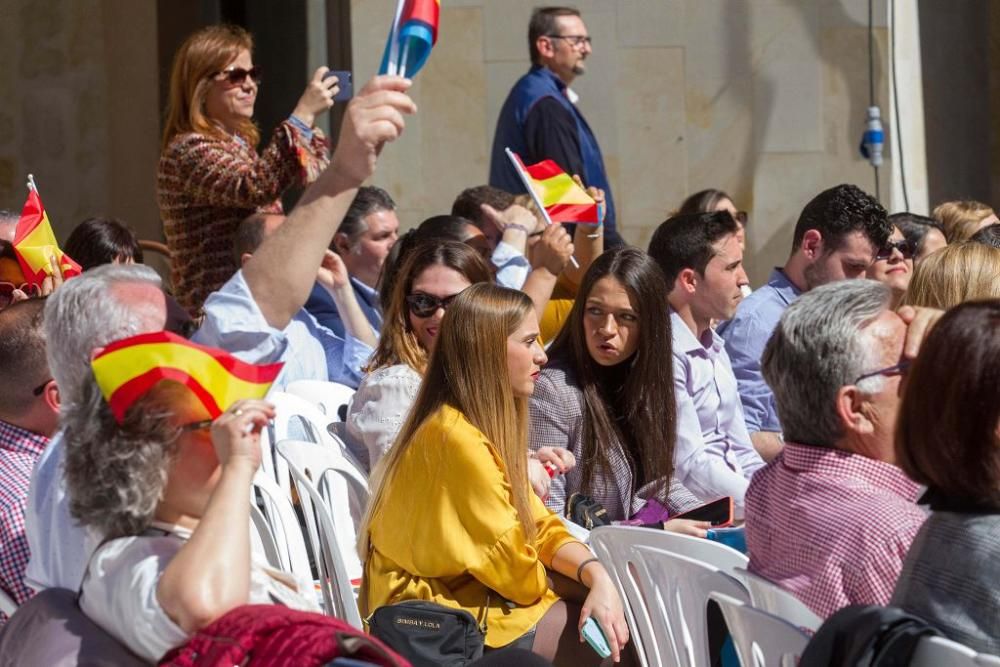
(283, 270)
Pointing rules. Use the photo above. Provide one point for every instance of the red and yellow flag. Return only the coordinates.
(563, 199)
(127, 369)
(35, 244)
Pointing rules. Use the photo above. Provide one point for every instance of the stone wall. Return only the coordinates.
(765, 99)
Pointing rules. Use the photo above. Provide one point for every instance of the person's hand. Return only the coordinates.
(919, 322)
(514, 217)
(605, 605)
(317, 97)
(559, 457)
(688, 527)
(332, 272)
(597, 195)
(54, 281)
(553, 250)
(373, 117)
(539, 478)
(236, 432)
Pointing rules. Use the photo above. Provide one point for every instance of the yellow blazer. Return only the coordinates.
(448, 532)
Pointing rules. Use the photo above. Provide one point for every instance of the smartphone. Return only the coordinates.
(595, 637)
(718, 512)
(346, 85)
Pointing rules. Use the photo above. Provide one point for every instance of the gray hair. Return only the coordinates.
(818, 347)
(370, 199)
(84, 314)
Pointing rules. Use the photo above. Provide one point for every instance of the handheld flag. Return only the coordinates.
(554, 191)
(127, 369)
(35, 244)
(414, 31)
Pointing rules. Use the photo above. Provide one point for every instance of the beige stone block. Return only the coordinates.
(370, 21)
(650, 23)
(783, 32)
(853, 13)
(717, 39)
(783, 184)
(787, 107)
(506, 32)
(651, 165)
(720, 137)
(602, 83)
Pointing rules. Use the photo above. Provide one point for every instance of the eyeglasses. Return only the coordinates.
(197, 426)
(425, 305)
(904, 247)
(741, 217)
(574, 40)
(7, 289)
(898, 369)
(37, 391)
(235, 76)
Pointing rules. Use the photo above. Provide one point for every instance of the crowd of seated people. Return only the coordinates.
(507, 373)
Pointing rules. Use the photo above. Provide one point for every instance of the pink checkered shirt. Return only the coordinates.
(19, 449)
(831, 527)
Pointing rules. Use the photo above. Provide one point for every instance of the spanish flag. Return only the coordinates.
(127, 369)
(414, 31)
(35, 244)
(562, 198)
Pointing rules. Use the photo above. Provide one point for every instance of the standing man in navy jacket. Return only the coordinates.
(540, 120)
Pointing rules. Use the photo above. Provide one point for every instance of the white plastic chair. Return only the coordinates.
(328, 396)
(761, 639)
(937, 651)
(285, 532)
(298, 419)
(678, 604)
(772, 598)
(718, 555)
(328, 552)
(7, 604)
(615, 546)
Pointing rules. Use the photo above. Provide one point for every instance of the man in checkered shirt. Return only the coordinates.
(832, 518)
(29, 413)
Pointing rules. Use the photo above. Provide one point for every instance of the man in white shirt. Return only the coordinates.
(702, 260)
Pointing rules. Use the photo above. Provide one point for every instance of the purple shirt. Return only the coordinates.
(714, 455)
(831, 527)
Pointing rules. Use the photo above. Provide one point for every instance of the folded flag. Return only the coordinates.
(35, 244)
(127, 369)
(555, 191)
(414, 31)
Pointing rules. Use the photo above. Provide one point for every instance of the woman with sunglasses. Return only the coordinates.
(893, 265)
(210, 175)
(451, 518)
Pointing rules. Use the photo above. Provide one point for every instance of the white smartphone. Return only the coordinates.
(595, 637)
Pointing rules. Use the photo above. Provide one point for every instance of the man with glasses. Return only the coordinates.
(29, 414)
(831, 518)
(540, 120)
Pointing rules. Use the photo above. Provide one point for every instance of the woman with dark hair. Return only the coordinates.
(97, 241)
(948, 439)
(210, 175)
(711, 200)
(925, 234)
(451, 517)
(608, 393)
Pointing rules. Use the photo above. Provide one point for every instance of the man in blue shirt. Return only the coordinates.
(540, 120)
(836, 237)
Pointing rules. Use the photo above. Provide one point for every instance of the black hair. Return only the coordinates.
(97, 241)
(840, 210)
(915, 227)
(685, 242)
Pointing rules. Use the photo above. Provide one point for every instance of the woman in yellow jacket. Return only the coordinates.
(452, 518)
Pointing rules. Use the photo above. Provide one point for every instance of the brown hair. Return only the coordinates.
(953, 445)
(397, 343)
(953, 274)
(961, 219)
(203, 54)
(543, 22)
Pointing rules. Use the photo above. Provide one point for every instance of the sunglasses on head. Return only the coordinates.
(7, 291)
(235, 76)
(425, 305)
(904, 248)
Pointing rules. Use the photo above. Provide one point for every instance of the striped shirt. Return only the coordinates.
(19, 449)
(831, 527)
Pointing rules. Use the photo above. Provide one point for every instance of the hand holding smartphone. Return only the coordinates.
(344, 81)
(594, 636)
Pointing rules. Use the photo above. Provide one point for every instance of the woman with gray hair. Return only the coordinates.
(167, 489)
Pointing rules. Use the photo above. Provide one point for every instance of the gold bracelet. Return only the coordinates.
(579, 570)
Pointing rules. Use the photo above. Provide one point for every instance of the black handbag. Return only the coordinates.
(587, 512)
(429, 634)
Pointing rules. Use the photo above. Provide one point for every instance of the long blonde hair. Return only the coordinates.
(955, 274)
(468, 371)
(201, 55)
(961, 219)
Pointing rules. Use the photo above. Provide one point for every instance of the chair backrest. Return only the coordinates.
(936, 651)
(678, 603)
(615, 546)
(761, 639)
(298, 419)
(772, 598)
(716, 554)
(329, 397)
(313, 467)
(284, 530)
(7, 604)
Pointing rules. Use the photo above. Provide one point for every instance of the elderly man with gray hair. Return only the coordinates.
(832, 517)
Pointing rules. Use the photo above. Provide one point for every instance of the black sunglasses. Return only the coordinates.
(425, 305)
(235, 76)
(904, 247)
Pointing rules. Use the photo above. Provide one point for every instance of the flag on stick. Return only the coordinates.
(35, 244)
(127, 369)
(556, 192)
(414, 31)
